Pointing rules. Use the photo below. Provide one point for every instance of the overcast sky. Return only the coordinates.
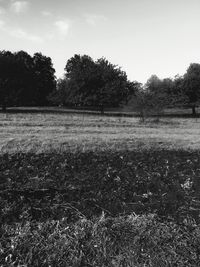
(144, 37)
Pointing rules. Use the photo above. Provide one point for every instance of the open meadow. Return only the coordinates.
(103, 191)
(38, 132)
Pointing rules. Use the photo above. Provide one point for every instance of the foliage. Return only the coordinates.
(44, 78)
(178, 96)
(167, 92)
(10, 70)
(191, 85)
(153, 97)
(64, 94)
(94, 83)
(25, 80)
(158, 94)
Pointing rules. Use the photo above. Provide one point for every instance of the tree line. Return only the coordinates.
(158, 94)
(30, 81)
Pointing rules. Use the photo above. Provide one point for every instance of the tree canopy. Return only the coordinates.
(94, 83)
(191, 85)
(25, 80)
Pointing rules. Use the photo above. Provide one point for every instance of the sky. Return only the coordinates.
(143, 37)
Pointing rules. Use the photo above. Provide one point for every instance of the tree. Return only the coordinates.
(25, 80)
(140, 103)
(153, 97)
(167, 86)
(80, 79)
(13, 75)
(157, 94)
(44, 79)
(62, 94)
(112, 87)
(95, 83)
(6, 60)
(177, 93)
(191, 86)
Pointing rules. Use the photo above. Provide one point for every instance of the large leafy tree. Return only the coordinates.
(110, 86)
(80, 78)
(92, 83)
(16, 78)
(25, 80)
(44, 79)
(191, 86)
(7, 72)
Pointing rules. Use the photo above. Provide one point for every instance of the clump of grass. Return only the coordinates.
(122, 241)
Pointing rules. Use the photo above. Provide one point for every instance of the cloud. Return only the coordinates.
(93, 19)
(63, 27)
(21, 34)
(2, 11)
(19, 6)
(2, 24)
(46, 13)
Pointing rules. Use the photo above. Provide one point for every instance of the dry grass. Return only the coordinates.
(62, 132)
(107, 242)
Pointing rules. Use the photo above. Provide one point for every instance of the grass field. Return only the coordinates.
(37, 133)
(86, 190)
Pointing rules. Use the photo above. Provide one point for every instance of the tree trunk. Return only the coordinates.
(194, 110)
